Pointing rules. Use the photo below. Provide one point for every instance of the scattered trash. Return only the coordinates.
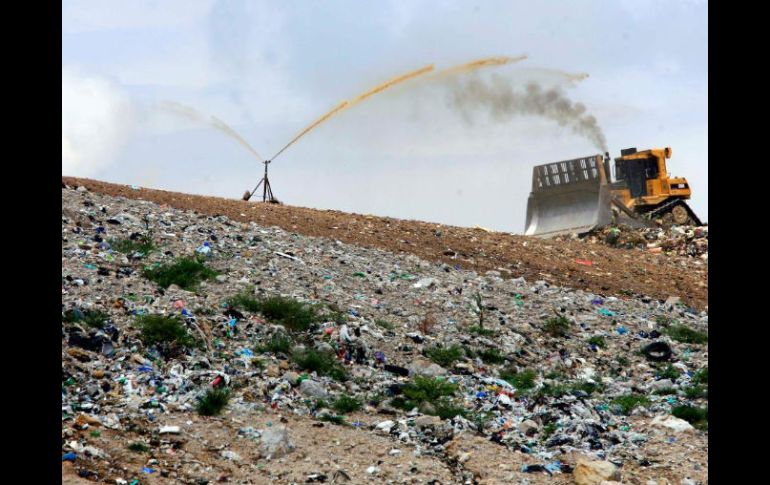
(205, 248)
(688, 241)
(498, 377)
(288, 256)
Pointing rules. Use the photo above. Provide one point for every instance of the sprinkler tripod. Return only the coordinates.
(267, 191)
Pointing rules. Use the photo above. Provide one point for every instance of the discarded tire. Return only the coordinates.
(398, 370)
(657, 351)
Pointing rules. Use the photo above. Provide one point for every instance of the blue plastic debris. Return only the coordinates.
(622, 330)
(147, 470)
(69, 457)
(246, 353)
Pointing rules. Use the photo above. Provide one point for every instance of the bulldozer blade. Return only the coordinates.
(568, 197)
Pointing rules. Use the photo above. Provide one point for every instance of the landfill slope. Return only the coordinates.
(603, 270)
(596, 391)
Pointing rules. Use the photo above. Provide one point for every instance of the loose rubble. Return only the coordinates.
(549, 379)
(686, 241)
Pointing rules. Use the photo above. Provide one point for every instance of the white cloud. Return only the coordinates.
(97, 120)
(80, 16)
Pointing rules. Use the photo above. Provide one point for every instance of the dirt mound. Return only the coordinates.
(574, 264)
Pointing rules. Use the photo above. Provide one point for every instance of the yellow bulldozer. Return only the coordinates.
(575, 196)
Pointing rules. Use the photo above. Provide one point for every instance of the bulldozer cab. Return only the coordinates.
(635, 174)
(633, 169)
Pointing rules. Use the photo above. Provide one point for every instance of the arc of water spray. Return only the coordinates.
(392, 82)
(356, 100)
(224, 127)
(570, 77)
(480, 63)
(312, 125)
(195, 115)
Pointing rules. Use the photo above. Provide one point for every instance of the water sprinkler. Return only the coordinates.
(267, 191)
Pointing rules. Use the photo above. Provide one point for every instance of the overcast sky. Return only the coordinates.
(269, 68)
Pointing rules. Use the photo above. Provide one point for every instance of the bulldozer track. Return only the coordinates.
(667, 207)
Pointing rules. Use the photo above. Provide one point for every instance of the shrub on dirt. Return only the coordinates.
(290, 313)
(597, 340)
(186, 273)
(142, 245)
(445, 356)
(278, 343)
(491, 356)
(92, 318)
(137, 447)
(245, 300)
(625, 404)
(520, 380)
(701, 376)
(686, 335)
(346, 404)
(168, 333)
(323, 363)
(698, 417)
(481, 331)
(557, 326)
(212, 402)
